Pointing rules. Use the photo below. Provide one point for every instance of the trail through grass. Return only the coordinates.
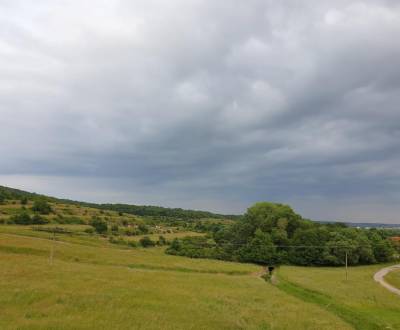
(359, 300)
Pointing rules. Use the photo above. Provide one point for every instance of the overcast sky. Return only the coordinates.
(205, 104)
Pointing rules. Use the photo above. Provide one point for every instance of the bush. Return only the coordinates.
(143, 229)
(114, 228)
(162, 240)
(146, 242)
(42, 207)
(22, 218)
(100, 226)
(38, 220)
(24, 201)
(89, 230)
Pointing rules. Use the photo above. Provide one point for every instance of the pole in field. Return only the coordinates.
(52, 248)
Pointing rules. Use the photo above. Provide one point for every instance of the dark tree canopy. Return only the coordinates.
(274, 234)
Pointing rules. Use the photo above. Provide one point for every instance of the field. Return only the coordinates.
(75, 279)
(97, 284)
(358, 300)
(393, 278)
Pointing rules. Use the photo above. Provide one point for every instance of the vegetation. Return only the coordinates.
(114, 272)
(94, 284)
(41, 206)
(274, 234)
(99, 225)
(360, 301)
(393, 278)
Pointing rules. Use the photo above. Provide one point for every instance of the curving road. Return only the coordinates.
(379, 277)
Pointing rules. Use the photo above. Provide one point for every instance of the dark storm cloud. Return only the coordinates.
(205, 104)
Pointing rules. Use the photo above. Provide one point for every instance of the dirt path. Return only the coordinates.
(379, 277)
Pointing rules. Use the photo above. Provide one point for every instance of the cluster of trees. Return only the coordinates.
(24, 218)
(274, 234)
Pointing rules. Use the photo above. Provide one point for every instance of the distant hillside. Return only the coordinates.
(141, 210)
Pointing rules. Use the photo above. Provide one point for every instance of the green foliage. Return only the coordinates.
(114, 228)
(146, 242)
(99, 225)
(274, 234)
(41, 206)
(22, 218)
(162, 240)
(24, 200)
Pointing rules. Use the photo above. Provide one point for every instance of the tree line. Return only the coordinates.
(274, 234)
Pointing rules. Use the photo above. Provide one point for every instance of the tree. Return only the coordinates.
(41, 206)
(2, 199)
(99, 225)
(24, 200)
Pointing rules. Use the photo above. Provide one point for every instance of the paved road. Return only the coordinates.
(379, 277)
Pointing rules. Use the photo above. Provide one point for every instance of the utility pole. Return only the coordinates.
(52, 248)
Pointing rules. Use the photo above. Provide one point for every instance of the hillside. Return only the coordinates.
(141, 210)
(67, 265)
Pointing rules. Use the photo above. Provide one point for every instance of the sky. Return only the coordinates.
(205, 104)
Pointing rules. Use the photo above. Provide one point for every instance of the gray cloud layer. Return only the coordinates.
(205, 104)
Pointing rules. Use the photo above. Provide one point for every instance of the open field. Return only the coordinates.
(77, 279)
(103, 286)
(393, 278)
(359, 300)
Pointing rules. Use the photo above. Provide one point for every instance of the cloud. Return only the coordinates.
(205, 104)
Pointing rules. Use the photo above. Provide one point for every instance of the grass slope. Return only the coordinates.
(94, 284)
(359, 300)
(393, 278)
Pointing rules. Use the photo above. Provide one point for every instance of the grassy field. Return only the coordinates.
(393, 278)
(359, 300)
(79, 280)
(91, 283)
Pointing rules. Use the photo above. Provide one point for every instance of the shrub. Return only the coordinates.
(99, 225)
(89, 230)
(146, 242)
(42, 207)
(162, 240)
(38, 220)
(24, 201)
(22, 218)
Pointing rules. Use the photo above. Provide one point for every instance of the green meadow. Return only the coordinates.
(95, 284)
(62, 275)
(393, 278)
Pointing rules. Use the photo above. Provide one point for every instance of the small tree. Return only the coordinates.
(22, 218)
(24, 201)
(146, 242)
(42, 207)
(2, 199)
(99, 225)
